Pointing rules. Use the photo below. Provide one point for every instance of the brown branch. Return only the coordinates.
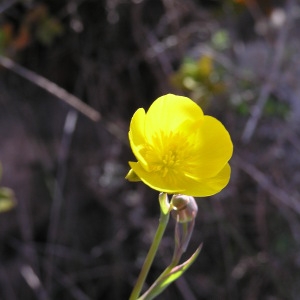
(6, 5)
(279, 195)
(272, 78)
(51, 88)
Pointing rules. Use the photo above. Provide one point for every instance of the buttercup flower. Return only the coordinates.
(179, 150)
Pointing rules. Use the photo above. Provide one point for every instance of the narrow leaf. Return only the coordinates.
(162, 283)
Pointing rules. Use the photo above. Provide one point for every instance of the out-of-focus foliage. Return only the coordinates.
(7, 198)
(200, 79)
(35, 24)
(7, 201)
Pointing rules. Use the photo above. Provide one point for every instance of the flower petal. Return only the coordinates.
(136, 133)
(182, 185)
(156, 181)
(213, 151)
(168, 112)
(209, 186)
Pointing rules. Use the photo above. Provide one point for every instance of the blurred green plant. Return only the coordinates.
(36, 24)
(273, 108)
(204, 79)
(220, 40)
(276, 108)
(7, 198)
(200, 79)
(49, 28)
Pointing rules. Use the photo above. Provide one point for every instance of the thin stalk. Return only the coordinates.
(163, 221)
(168, 269)
(181, 243)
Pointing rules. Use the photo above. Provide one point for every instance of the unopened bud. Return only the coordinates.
(185, 208)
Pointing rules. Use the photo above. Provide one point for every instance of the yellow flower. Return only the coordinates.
(179, 150)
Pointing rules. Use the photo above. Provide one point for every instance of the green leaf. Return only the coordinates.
(7, 199)
(163, 282)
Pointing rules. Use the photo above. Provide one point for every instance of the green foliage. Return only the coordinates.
(275, 108)
(7, 199)
(200, 79)
(48, 29)
(220, 40)
(36, 24)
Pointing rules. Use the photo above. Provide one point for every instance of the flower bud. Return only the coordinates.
(184, 208)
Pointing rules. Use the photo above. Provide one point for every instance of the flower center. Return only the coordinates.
(167, 154)
(170, 161)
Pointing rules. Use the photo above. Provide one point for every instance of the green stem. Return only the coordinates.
(180, 245)
(163, 221)
(168, 269)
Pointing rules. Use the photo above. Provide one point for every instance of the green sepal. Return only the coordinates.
(132, 176)
(7, 199)
(163, 282)
(164, 203)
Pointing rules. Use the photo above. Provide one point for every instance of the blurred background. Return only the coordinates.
(73, 72)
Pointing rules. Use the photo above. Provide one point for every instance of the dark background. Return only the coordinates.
(79, 229)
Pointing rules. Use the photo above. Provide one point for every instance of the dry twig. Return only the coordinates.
(272, 78)
(7, 4)
(264, 182)
(51, 88)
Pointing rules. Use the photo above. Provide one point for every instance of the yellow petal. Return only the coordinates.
(183, 185)
(168, 112)
(136, 133)
(156, 181)
(214, 149)
(209, 186)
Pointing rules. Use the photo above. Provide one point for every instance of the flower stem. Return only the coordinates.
(163, 221)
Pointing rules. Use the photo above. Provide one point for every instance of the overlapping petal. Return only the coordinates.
(183, 185)
(169, 112)
(156, 181)
(209, 186)
(137, 134)
(213, 148)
